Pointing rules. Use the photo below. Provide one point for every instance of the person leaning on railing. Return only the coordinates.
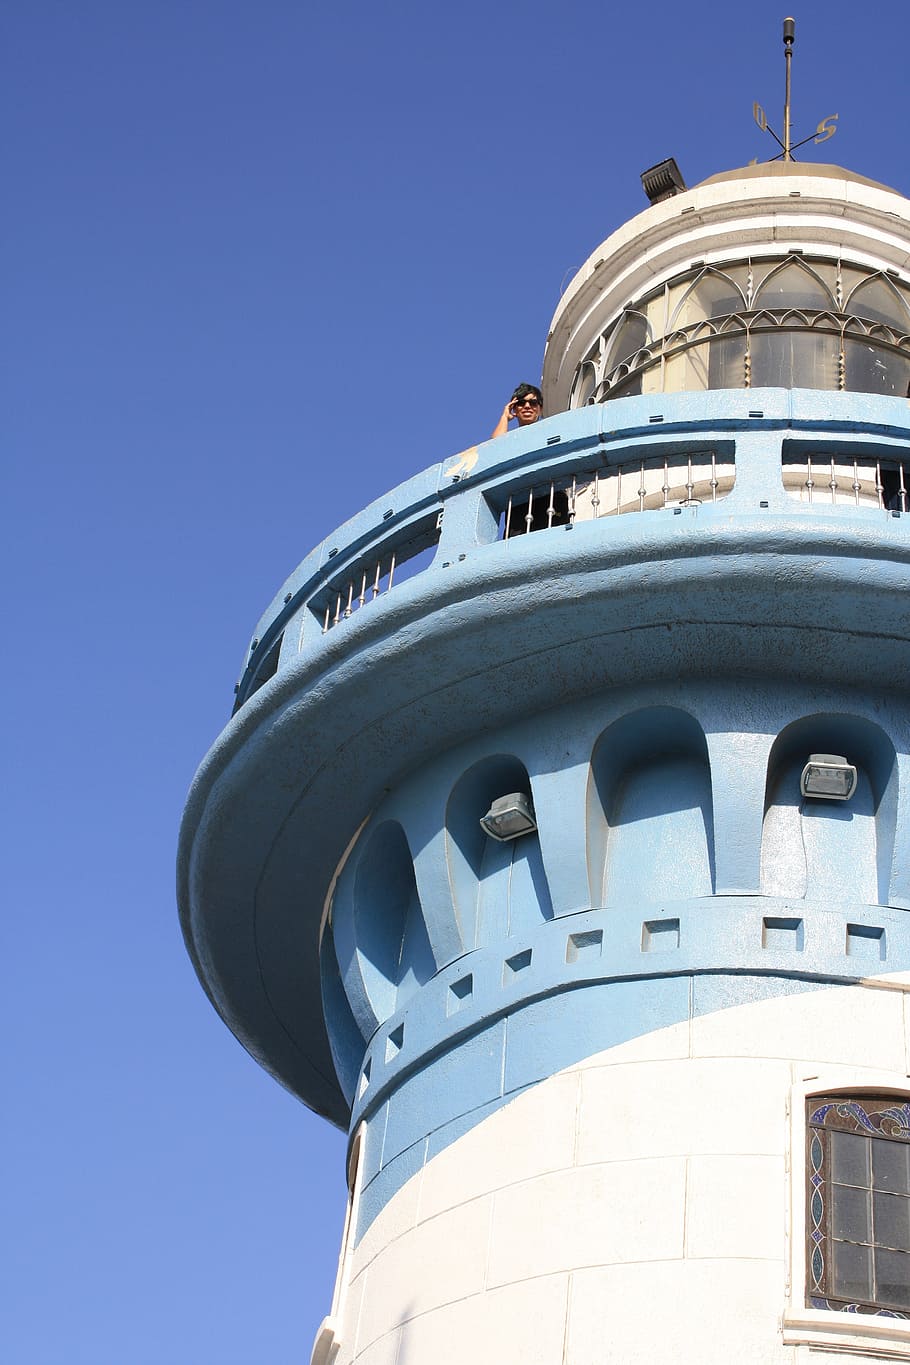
(525, 405)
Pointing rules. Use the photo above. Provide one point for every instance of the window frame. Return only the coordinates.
(831, 1327)
(825, 1116)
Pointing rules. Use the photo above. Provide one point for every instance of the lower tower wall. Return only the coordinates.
(646, 1203)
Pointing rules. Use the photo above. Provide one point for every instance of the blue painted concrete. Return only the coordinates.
(615, 955)
(541, 1039)
(606, 435)
(650, 677)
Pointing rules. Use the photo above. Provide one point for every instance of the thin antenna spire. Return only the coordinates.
(789, 38)
(825, 129)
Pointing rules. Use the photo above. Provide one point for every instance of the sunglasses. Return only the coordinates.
(527, 402)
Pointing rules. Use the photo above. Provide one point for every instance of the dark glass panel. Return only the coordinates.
(892, 1221)
(852, 1271)
(794, 359)
(851, 1213)
(850, 1159)
(872, 369)
(891, 1166)
(892, 1278)
(626, 388)
(727, 363)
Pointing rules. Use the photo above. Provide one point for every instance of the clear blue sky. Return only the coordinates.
(261, 262)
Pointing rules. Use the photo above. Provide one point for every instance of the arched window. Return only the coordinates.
(858, 1203)
(713, 294)
(584, 386)
(877, 298)
(793, 285)
(630, 335)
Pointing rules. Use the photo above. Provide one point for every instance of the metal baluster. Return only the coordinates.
(363, 590)
(595, 501)
(376, 579)
(641, 486)
(809, 482)
(618, 489)
(713, 477)
(337, 610)
(529, 518)
(690, 486)
(665, 486)
(879, 486)
(325, 624)
(348, 608)
(388, 586)
(551, 510)
(572, 503)
(833, 482)
(505, 529)
(857, 486)
(902, 490)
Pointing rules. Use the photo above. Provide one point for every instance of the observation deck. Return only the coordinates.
(650, 548)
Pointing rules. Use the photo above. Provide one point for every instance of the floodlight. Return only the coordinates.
(662, 181)
(829, 777)
(509, 817)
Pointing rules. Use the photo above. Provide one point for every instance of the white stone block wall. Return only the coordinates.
(635, 1207)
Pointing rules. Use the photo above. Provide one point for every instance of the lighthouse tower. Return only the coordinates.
(558, 846)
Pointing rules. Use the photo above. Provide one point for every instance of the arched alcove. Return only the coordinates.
(391, 936)
(498, 889)
(839, 851)
(650, 819)
(345, 1038)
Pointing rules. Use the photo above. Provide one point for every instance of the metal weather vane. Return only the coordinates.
(826, 128)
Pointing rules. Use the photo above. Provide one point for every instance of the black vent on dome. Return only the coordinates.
(662, 181)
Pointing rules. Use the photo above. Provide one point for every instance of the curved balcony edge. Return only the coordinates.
(457, 505)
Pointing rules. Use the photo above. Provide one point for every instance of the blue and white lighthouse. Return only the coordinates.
(558, 846)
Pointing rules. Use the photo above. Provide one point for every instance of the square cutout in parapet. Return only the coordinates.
(588, 944)
(365, 1078)
(659, 935)
(394, 1043)
(866, 941)
(513, 965)
(783, 934)
(460, 993)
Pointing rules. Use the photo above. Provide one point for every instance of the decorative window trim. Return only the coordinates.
(887, 1338)
(833, 309)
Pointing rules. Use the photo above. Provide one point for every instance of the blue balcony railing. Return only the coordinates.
(769, 453)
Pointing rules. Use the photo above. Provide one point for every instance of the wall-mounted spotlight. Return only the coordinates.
(509, 817)
(829, 777)
(662, 181)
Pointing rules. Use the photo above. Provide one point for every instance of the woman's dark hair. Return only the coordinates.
(524, 389)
